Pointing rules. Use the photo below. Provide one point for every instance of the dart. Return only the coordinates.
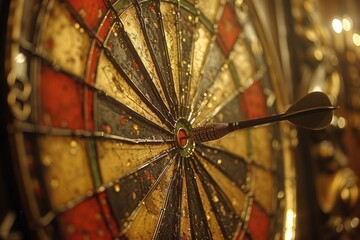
(313, 111)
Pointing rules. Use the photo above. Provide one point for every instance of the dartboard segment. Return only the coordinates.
(92, 12)
(233, 167)
(199, 227)
(244, 64)
(66, 180)
(228, 31)
(170, 23)
(117, 120)
(114, 85)
(186, 30)
(57, 111)
(150, 17)
(211, 216)
(150, 210)
(238, 196)
(129, 64)
(212, 67)
(116, 159)
(65, 41)
(223, 90)
(133, 195)
(169, 222)
(222, 207)
(99, 222)
(203, 45)
(135, 31)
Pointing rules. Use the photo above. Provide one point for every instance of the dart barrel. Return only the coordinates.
(210, 132)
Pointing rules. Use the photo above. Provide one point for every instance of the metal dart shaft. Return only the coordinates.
(313, 111)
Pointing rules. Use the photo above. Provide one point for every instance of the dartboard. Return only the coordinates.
(103, 96)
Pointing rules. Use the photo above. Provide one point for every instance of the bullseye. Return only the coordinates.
(184, 143)
(181, 138)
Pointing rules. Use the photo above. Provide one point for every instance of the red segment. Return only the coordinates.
(228, 30)
(253, 101)
(84, 221)
(152, 8)
(109, 218)
(135, 65)
(62, 100)
(106, 128)
(148, 177)
(122, 120)
(181, 138)
(90, 11)
(259, 223)
(105, 26)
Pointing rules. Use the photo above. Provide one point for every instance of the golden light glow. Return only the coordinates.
(20, 58)
(337, 25)
(341, 122)
(356, 39)
(289, 224)
(347, 24)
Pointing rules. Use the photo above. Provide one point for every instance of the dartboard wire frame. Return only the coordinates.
(18, 136)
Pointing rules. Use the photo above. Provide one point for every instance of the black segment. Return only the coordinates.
(128, 63)
(234, 167)
(169, 226)
(126, 123)
(222, 207)
(186, 28)
(230, 112)
(134, 187)
(211, 69)
(151, 22)
(199, 225)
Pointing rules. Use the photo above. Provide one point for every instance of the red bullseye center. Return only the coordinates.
(182, 138)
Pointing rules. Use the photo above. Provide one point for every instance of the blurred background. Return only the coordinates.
(318, 42)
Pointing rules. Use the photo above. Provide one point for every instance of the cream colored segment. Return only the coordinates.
(261, 146)
(143, 224)
(244, 63)
(65, 41)
(209, 8)
(66, 169)
(236, 196)
(201, 45)
(116, 159)
(235, 142)
(168, 12)
(113, 84)
(218, 95)
(263, 187)
(185, 226)
(210, 215)
(133, 29)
